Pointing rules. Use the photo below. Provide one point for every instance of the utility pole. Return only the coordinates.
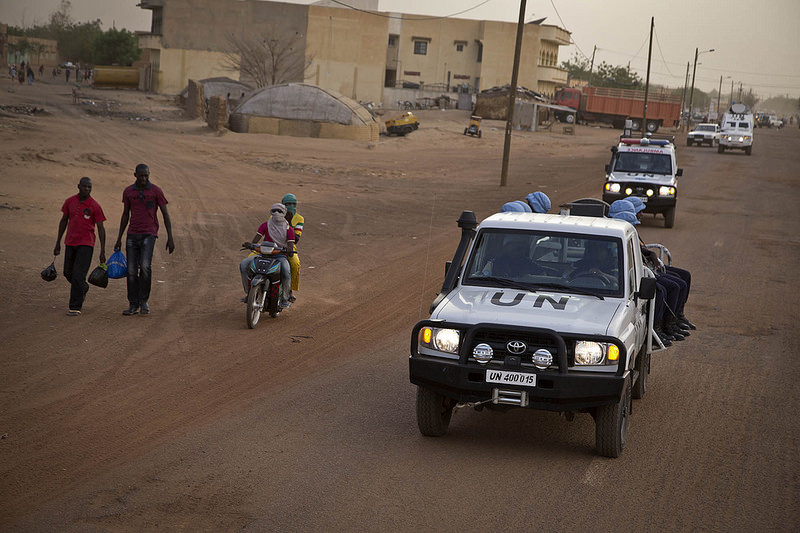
(512, 97)
(719, 93)
(591, 65)
(647, 82)
(730, 100)
(683, 98)
(740, 92)
(691, 94)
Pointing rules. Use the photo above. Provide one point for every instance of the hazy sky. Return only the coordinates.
(756, 43)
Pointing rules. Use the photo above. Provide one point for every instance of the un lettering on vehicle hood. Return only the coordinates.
(561, 312)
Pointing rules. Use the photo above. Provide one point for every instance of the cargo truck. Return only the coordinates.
(615, 106)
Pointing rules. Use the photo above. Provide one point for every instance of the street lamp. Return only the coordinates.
(694, 69)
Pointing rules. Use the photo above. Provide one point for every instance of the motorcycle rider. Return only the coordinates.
(276, 230)
(296, 221)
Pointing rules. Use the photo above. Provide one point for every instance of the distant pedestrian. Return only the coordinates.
(30, 75)
(141, 202)
(80, 215)
(41, 70)
(67, 74)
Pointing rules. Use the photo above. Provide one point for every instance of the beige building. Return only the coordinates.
(359, 54)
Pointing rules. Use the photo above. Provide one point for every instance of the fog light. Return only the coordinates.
(650, 192)
(482, 353)
(628, 191)
(542, 359)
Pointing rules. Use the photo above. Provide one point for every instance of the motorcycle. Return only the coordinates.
(265, 281)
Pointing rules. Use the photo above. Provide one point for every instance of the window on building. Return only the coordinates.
(421, 48)
(480, 51)
(393, 40)
(459, 48)
(155, 25)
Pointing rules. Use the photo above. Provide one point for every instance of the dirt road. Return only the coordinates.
(188, 420)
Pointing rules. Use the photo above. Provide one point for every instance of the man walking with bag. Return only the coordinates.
(141, 201)
(80, 215)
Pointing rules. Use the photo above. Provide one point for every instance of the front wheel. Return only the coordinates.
(433, 412)
(636, 124)
(720, 149)
(254, 298)
(611, 425)
(652, 126)
(669, 217)
(570, 119)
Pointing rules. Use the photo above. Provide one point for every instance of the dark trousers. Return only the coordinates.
(77, 260)
(684, 275)
(139, 253)
(672, 295)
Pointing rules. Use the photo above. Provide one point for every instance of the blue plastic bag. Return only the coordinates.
(117, 265)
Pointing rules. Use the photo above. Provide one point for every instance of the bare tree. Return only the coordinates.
(268, 59)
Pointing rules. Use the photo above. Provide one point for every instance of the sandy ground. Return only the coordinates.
(186, 419)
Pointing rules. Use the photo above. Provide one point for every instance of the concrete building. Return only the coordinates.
(353, 52)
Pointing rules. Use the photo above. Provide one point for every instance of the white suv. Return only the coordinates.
(704, 134)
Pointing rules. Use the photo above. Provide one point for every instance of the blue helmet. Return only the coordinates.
(638, 204)
(539, 202)
(517, 206)
(623, 210)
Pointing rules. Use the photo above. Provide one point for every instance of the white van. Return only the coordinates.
(737, 130)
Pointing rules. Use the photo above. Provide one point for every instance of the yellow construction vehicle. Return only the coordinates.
(474, 127)
(402, 124)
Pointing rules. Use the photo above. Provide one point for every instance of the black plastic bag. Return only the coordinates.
(49, 273)
(99, 277)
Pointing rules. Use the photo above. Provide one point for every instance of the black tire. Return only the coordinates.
(652, 126)
(407, 129)
(611, 425)
(643, 367)
(479, 135)
(748, 150)
(636, 124)
(465, 130)
(669, 217)
(253, 310)
(433, 412)
(570, 119)
(720, 149)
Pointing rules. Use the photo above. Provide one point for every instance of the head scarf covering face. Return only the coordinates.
(623, 210)
(290, 201)
(517, 206)
(638, 204)
(539, 202)
(277, 225)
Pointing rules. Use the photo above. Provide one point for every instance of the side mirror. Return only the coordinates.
(679, 172)
(447, 265)
(647, 288)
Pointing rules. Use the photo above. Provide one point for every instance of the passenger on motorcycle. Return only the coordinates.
(296, 221)
(276, 230)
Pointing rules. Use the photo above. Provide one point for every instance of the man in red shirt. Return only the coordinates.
(141, 202)
(80, 215)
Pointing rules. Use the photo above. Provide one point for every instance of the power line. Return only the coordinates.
(406, 17)
(565, 27)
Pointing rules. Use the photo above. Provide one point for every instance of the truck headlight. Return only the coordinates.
(441, 339)
(741, 139)
(613, 187)
(596, 353)
(666, 191)
(650, 192)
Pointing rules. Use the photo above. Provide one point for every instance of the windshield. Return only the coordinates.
(642, 163)
(550, 261)
(704, 128)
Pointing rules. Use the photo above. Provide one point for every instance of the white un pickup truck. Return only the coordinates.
(539, 312)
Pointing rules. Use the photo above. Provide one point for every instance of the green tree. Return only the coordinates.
(116, 47)
(76, 42)
(602, 74)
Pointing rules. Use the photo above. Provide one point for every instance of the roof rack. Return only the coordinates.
(650, 136)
